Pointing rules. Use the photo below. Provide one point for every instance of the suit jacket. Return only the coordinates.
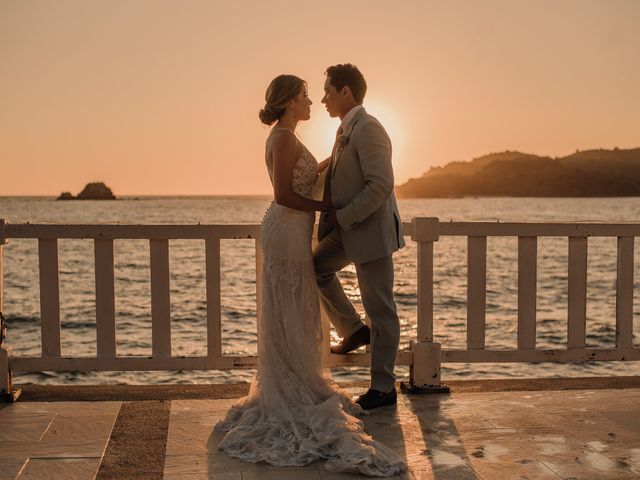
(362, 192)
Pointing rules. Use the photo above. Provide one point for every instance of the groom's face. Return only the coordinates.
(333, 99)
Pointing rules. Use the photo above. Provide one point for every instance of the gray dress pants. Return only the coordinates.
(375, 280)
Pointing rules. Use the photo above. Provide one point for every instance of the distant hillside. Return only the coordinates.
(592, 173)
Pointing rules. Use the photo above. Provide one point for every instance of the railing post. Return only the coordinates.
(527, 290)
(7, 392)
(105, 298)
(3, 241)
(624, 293)
(214, 302)
(160, 298)
(577, 293)
(426, 361)
(476, 291)
(49, 296)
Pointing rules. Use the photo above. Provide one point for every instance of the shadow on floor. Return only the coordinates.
(443, 456)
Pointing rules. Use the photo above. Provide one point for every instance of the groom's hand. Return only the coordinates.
(331, 218)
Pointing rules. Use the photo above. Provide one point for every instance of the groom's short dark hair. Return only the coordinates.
(347, 75)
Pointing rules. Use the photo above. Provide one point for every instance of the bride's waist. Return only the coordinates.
(275, 208)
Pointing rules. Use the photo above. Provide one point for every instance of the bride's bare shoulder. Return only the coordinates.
(281, 133)
(282, 140)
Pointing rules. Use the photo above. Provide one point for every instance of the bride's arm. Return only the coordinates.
(284, 151)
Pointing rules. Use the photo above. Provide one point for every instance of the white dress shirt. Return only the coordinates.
(349, 116)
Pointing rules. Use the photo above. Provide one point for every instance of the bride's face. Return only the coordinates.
(301, 105)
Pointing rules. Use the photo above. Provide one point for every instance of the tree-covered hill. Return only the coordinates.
(592, 173)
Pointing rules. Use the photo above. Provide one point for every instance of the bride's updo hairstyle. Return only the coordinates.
(281, 91)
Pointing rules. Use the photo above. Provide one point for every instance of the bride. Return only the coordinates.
(293, 415)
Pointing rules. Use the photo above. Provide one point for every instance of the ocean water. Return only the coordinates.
(132, 286)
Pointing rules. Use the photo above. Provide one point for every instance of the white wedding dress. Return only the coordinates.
(293, 415)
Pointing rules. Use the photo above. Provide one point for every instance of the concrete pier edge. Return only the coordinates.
(137, 444)
(120, 392)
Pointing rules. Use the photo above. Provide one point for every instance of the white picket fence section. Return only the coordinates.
(425, 355)
(428, 355)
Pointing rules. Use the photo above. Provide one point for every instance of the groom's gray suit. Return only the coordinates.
(370, 230)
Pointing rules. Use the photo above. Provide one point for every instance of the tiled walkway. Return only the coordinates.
(569, 434)
(54, 440)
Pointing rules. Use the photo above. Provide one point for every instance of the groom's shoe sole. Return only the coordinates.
(376, 399)
(348, 344)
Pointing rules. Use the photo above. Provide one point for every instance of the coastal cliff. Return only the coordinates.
(591, 173)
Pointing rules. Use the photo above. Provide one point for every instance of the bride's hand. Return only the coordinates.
(324, 164)
(327, 206)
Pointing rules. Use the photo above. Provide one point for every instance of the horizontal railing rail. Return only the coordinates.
(425, 355)
(551, 229)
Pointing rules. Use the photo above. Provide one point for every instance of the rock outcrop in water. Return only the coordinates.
(66, 196)
(592, 173)
(92, 191)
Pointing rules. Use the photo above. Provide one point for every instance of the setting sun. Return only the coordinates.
(169, 104)
(320, 131)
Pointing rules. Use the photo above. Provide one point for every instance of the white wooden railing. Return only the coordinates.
(425, 355)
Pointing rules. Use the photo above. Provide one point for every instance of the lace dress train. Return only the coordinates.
(292, 415)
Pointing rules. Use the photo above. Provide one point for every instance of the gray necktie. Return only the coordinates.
(334, 154)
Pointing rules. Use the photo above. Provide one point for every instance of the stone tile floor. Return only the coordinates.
(54, 440)
(568, 434)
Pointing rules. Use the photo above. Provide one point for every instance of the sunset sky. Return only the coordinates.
(161, 97)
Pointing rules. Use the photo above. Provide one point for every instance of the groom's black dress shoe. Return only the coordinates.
(356, 340)
(376, 398)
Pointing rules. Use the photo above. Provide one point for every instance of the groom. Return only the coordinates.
(363, 228)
